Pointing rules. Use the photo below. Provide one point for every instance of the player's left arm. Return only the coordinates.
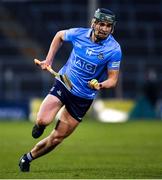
(112, 70)
(113, 67)
(111, 81)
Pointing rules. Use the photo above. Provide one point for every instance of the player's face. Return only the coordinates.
(102, 30)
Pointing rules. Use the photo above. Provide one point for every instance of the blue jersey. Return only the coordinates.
(89, 60)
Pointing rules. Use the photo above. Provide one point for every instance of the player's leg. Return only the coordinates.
(64, 128)
(48, 110)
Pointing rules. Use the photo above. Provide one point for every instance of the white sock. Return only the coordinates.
(29, 156)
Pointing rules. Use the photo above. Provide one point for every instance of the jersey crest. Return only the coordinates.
(100, 56)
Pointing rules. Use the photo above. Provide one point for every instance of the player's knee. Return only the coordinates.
(41, 121)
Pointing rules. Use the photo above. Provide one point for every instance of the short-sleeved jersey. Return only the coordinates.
(89, 60)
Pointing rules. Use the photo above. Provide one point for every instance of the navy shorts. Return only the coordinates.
(75, 105)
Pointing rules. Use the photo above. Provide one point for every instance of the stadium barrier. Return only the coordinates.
(14, 110)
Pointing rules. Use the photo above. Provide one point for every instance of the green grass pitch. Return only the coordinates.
(94, 151)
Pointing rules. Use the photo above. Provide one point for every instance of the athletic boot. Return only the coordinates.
(24, 164)
(37, 131)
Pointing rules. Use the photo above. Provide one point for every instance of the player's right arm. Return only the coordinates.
(54, 47)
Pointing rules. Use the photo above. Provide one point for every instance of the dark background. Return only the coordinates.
(27, 29)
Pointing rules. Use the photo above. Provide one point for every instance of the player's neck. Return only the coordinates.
(95, 39)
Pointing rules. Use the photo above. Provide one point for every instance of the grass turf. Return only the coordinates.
(94, 151)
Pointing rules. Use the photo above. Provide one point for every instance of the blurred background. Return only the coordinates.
(27, 28)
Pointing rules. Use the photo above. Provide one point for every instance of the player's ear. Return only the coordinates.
(92, 23)
(112, 30)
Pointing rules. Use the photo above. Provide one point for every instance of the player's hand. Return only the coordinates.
(94, 84)
(43, 64)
